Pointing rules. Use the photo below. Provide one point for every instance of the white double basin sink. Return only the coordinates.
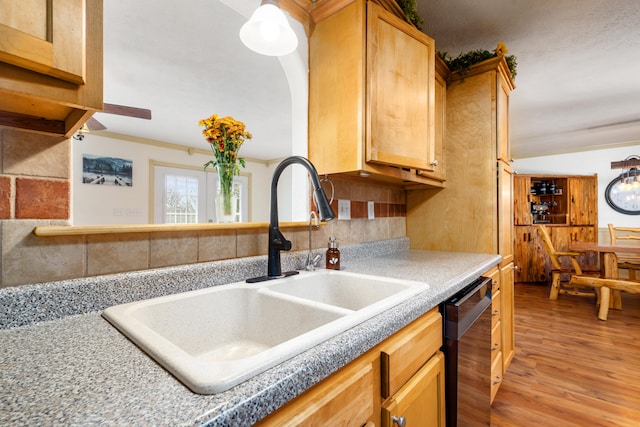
(215, 338)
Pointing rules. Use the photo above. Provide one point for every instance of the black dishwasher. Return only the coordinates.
(467, 349)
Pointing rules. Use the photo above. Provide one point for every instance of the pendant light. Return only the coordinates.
(268, 32)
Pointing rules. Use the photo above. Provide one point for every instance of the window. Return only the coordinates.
(180, 199)
(187, 196)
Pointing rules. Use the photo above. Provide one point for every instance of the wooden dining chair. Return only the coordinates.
(557, 269)
(630, 262)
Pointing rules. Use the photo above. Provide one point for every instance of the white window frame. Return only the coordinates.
(207, 190)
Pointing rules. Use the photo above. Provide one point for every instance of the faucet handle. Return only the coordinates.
(278, 241)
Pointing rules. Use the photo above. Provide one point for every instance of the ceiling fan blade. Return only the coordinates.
(123, 110)
(95, 125)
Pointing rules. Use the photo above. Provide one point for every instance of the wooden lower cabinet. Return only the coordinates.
(507, 320)
(421, 401)
(531, 256)
(502, 324)
(401, 376)
(344, 399)
(496, 374)
(496, 333)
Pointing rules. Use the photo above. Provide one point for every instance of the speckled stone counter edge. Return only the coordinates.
(24, 305)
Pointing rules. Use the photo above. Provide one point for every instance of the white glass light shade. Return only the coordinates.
(268, 32)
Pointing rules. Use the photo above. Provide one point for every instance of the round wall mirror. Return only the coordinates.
(623, 192)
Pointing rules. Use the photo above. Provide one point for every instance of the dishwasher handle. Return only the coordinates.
(464, 308)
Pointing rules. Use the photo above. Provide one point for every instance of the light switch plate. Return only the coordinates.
(344, 209)
(371, 209)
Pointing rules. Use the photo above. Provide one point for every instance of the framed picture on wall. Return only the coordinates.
(102, 170)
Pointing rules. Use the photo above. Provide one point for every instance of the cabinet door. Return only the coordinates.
(403, 354)
(46, 37)
(496, 354)
(530, 256)
(438, 164)
(421, 400)
(345, 399)
(496, 374)
(507, 315)
(583, 193)
(502, 117)
(505, 212)
(400, 87)
(585, 234)
(521, 200)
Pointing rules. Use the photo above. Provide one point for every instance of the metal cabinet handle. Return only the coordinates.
(402, 422)
(434, 163)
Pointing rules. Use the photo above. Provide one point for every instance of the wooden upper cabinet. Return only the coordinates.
(371, 95)
(583, 192)
(505, 85)
(505, 212)
(37, 36)
(438, 169)
(51, 64)
(400, 85)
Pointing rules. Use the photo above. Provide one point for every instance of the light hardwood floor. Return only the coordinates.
(571, 369)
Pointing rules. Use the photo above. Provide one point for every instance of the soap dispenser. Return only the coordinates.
(333, 255)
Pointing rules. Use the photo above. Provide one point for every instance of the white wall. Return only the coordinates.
(108, 205)
(586, 163)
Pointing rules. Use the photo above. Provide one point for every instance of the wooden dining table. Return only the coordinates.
(608, 260)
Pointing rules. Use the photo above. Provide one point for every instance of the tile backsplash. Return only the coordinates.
(34, 191)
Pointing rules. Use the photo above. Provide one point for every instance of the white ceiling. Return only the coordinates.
(184, 61)
(578, 74)
(578, 82)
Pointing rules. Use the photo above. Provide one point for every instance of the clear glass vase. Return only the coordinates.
(226, 199)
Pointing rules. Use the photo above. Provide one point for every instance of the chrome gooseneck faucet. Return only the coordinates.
(277, 241)
(312, 261)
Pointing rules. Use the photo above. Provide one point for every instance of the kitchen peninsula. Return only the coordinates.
(76, 369)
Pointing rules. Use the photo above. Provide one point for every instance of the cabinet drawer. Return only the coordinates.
(495, 286)
(408, 350)
(496, 374)
(496, 308)
(421, 400)
(496, 337)
(345, 399)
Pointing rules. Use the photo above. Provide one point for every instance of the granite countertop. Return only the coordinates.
(76, 369)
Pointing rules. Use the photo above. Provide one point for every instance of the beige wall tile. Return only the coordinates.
(27, 258)
(342, 231)
(342, 188)
(252, 243)
(377, 193)
(359, 231)
(217, 245)
(117, 253)
(378, 229)
(29, 153)
(397, 227)
(359, 190)
(173, 248)
(397, 196)
(320, 236)
(299, 238)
